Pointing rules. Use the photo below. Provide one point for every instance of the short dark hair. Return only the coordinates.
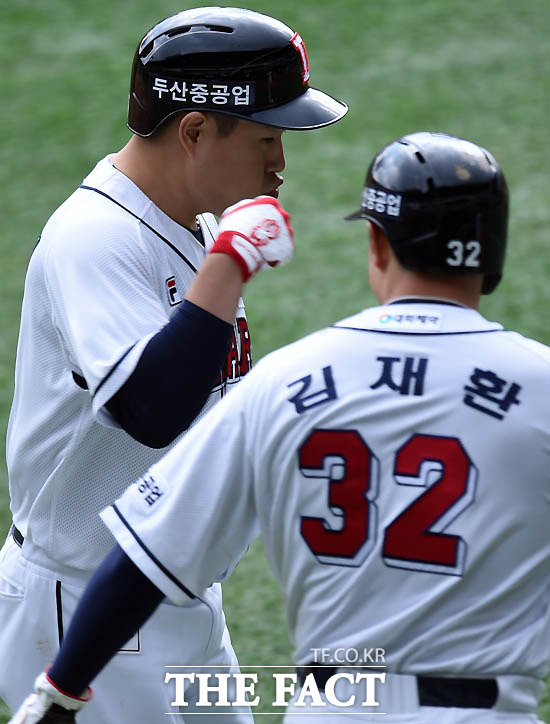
(225, 124)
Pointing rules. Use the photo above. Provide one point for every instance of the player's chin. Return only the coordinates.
(272, 192)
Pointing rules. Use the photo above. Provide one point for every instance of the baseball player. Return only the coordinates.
(130, 328)
(396, 465)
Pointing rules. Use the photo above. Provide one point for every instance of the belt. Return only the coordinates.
(18, 537)
(432, 690)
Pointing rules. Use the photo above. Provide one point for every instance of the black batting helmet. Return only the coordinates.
(442, 202)
(228, 60)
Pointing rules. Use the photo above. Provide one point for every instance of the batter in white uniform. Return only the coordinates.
(123, 343)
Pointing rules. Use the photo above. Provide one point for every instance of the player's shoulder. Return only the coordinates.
(418, 316)
(364, 319)
(285, 361)
(448, 320)
(324, 343)
(529, 348)
(351, 336)
(97, 218)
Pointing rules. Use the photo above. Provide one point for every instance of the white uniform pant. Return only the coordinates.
(424, 715)
(131, 689)
(398, 703)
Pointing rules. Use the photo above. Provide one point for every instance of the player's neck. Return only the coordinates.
(462, 290)
(148, 166)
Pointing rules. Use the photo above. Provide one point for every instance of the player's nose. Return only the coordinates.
(276, 160)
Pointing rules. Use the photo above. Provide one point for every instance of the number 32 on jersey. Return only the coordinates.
(416, 538)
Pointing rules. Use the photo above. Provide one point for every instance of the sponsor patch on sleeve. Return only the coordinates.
(149, 490)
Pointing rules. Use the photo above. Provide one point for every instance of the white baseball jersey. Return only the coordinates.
(397, 466)
(108, 272)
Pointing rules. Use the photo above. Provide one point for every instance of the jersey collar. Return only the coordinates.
(418, 299)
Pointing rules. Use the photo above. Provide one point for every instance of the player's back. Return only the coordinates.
(409, 450)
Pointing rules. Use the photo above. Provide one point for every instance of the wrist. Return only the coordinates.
(218, 286)
(82, 699)
(237, 247)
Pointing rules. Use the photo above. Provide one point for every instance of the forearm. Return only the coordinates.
(217, 287)
(117, 601)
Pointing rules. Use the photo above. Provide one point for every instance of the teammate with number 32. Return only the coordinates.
(396, 465)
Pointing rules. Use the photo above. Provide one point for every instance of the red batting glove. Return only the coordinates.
(256, 233)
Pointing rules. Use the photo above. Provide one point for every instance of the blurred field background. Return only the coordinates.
(475, 69)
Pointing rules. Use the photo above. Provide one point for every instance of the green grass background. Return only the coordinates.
(476, 68)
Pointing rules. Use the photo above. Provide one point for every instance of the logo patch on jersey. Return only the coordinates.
(174, 296)
(410, 322)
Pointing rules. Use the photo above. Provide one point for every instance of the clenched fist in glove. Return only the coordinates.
(49, 705)
(256, 233)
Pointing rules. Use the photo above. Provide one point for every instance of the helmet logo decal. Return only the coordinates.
(205, 92)
(380, 201)
(300, 46)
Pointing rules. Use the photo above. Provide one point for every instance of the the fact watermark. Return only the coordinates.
(345, 657)
(342, 678)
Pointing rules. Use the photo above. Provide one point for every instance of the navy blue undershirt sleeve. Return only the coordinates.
(118, 600)
(173, 378)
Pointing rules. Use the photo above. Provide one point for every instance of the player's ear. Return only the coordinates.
(379, 246)
(190, 128)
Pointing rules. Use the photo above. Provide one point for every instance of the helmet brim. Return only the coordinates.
(359, 214)
(312, 109)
